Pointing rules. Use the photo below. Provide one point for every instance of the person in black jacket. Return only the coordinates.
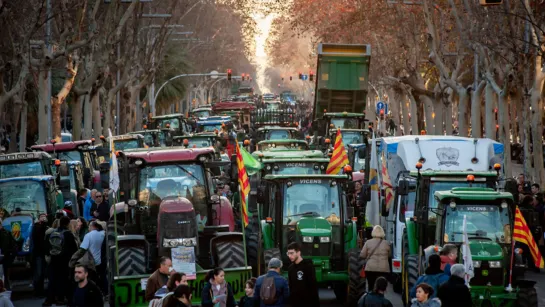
(217, 290)
(454, 292)
(86, 292)
(8, 248)
(38, 254)
(302, 279)
(376, 297)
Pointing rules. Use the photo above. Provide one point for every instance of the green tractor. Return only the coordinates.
(313, 211)
(490, 220)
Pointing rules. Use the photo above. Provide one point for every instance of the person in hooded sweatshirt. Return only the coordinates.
(424, 293)
(433, 276)
(302, 279)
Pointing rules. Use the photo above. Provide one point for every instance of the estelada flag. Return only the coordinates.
(244, 184)
(339, 158)
(522, 234)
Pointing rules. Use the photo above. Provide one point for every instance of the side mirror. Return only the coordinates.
(403, 187)
(262, 194)
(63, 171)
(383, 209)
(362, 152)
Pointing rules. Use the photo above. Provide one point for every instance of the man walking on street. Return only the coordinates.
(265, 284)
(86, 293)
(302, 279)
(159, 278)
(38, 254)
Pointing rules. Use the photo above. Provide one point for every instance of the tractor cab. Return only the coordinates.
(82, 151)
(282, 145)
(25, 164)
(202, 111)
(155, 137)
(125, 142)
(213, 124)
(22, 200)
(350, 136)
(176, 123)
(197, 140)
(335, 120)
(238, 110)
(70, 181)
(271, 133)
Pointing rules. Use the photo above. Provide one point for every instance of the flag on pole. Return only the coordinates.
(523, 235)
(466, 252)
(114, 171)
(387, 184)
(372, 210)
(339, 158)
(244, 185)
(251, 164)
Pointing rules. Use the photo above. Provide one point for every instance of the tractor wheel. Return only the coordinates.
(252, 243)
(271, 253)
(356, 284)
(340, 290)
(110, 232)
(132, 261)
(230, 254)
(411, 267)
(526, 297)
(404, 254)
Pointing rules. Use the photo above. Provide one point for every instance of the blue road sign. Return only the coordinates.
(380, 106)
(305, 77)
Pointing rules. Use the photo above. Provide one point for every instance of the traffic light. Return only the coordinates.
(311, 76)
(282, 79)
(490, 2)
(291, 78)
(300, 76)
(242, 75)
(382, 114)
(248, 77)
(229, 71)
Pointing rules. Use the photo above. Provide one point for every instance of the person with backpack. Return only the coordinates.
(60, 245)
(376, 297)
(433, 276)
(216, 291)
(302, 279)
(272, 289)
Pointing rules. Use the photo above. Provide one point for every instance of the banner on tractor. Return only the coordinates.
(129, 291)
(183, 261)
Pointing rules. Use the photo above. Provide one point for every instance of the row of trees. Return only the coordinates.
(98, 50)
(446, 65)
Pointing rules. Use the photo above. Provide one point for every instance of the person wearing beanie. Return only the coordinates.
(433, 276)
(280, 283)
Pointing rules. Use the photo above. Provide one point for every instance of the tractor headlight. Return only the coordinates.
(188, 242)
(494, 264)
(476, 264)
(307, 239)
(324, 239)
(26, 245)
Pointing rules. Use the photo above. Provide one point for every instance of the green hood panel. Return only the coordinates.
(485, 250)
(314, 226)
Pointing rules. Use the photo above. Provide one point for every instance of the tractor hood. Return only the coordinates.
(314, 226)
(485, 250)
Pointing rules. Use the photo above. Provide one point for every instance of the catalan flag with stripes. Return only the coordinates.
(387, 184)
(523, 235)
(244, 185)
(339, 158)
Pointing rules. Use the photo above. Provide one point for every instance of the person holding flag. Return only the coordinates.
(522, 234)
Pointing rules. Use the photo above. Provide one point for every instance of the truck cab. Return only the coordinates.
(239, 109)
(176, 123)
(25, 164)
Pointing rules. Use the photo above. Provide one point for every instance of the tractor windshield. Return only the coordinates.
(209, 128)
(447, 186)
(127, 144)
(162, 181)
(26, 195)
(149, 139)
(311, 197)
(72, 155)
(278, 135)
(173, 122)
(345, 123)
(196, 142)
(487, 222)
(352, 137)
(21, 169)
(202, 113)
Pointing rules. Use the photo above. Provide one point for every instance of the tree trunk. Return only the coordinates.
(108, 112)
(43, 106)
(414, 116)
(489, 115)
(406, 110)
(513, 118)
(448, 115)
(537, 130)
(463, 100)
(23, 130)
(15, 115)
(58, 100)
(76, 117)
(503, 123)
(428, 113)
(438, 109)
(526, 142)
(476, 126)
(88, 118)
(96, 111)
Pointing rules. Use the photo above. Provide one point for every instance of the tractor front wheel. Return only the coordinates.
(356, 284)
(411, 275)
(526, 297)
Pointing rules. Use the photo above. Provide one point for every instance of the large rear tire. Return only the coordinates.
(271, 253)
(411, 267)
(252, 243)
(230, 254)
(132, 261)
(356, 284)
(526, 297)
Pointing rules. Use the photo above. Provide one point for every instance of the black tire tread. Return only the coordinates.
(411, 265)
(230, 254)
(271, 253)
(527, 297)
(356, 284)
(132, 261)
(252, 243)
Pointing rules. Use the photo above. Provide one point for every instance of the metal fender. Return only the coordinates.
(411, 234)
(267, 231)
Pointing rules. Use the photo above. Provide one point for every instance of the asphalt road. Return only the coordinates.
(328, 298)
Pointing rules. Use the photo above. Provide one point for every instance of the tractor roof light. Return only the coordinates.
(355, 219)
(268, 220)
(186, 142)
(470, 178)
(93, 140)
(102, 137)
(57, 162)
(328, 141)
(418, 165)
(246, 142)
(497, 166)
(53, 141)
(347, 169)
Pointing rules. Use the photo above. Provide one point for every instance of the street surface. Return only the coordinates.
(328, 298)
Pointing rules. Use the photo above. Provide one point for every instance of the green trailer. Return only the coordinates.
(342, 79)
(489, 217)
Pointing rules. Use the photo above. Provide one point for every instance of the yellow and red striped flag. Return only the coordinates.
(244, 184)
(522, 234)
(339, 158)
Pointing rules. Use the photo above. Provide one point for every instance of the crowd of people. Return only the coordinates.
(70, 253)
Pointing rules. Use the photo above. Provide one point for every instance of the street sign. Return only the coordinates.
(304, 77)
(380, 106)
(214, 74)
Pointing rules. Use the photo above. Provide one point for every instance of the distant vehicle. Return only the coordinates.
(66, 137)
